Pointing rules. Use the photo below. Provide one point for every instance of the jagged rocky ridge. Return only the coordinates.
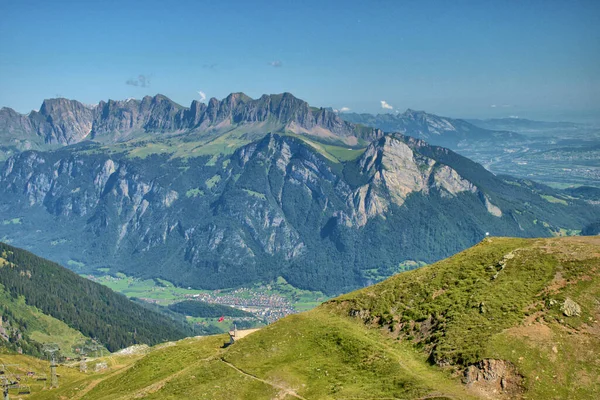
(64, 122)
(276, 207)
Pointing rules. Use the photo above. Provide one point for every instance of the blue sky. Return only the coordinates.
(538, 59)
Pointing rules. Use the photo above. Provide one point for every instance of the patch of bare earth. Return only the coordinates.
(557, 283)
(245, 332)
(572, 248)
(494, 379)
(537, 333)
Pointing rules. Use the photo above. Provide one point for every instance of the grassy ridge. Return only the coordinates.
(410, 337)
(459, 298)
(321, 354)
(296, 358)
(469, 308)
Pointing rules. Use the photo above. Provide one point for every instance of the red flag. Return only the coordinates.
(221, 319)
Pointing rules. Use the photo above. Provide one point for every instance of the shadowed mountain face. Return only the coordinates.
(240, 190)
(64, 122)
(275, 207)
(441, 131)
(58, 121)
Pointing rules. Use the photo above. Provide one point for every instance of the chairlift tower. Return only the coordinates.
(6, 384)
(5, 387)
(84, 348)
(7, 381)
(95, 347)
(52, 349)
(82, 364)
(53, 376)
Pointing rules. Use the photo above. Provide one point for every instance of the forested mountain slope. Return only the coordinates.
(244, 190)
(280, 206)
(85, 306)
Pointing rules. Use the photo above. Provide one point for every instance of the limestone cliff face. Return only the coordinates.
(110, 194)
(121, 118)
(396, 171)
(275, 207)
(116, 202)
(63, 121)
(12, 123)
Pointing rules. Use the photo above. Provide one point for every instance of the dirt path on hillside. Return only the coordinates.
(285, 390)
(156, 386)
(95, 382)
(245, 332)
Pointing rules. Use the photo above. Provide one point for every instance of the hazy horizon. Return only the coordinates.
(584, 118)
(470, 59)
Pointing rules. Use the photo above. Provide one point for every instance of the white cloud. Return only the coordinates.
(202, 95)
(385, 105)
(276, 64)
(344, 109)
(493, 106)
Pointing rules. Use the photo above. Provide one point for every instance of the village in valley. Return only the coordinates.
(268, 306)
(268, 302)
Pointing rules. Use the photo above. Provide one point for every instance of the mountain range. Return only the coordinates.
(242, 191)
(62, 122)
(441, 131)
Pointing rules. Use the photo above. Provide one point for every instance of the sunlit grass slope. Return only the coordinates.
(413, 336)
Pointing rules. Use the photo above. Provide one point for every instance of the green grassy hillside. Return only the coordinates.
(508, 318)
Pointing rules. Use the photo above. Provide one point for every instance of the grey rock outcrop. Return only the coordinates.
(494, 377)
(570, 308)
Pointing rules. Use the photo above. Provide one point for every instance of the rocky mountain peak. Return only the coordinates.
(238, 97)
(394, 171)
(413, 113)
(6, 113)
(57, 107)
(63, 121)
